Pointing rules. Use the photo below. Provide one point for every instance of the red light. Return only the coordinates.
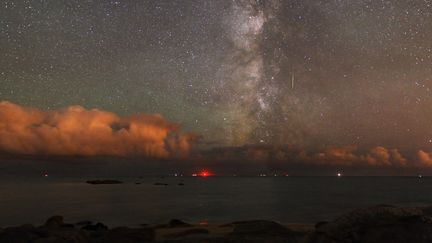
(204, 173)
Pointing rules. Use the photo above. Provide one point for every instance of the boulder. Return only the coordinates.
(62, 234)
(24, 233)
(126, 235)
(50, 239)
(189, 232)
(377, 224)
(95, 227)
(175, 223)
(261, 231)
(84, 222)
(260, 227)
(54, 221)
(52, 231)
(55, 230)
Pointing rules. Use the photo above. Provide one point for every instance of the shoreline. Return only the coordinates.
(383, 223)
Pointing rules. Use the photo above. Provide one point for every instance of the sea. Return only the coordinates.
(204, 200)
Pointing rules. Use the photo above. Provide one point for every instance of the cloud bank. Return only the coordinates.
(78, 131)
(329, 156)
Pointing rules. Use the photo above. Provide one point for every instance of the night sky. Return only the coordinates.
(318, 82)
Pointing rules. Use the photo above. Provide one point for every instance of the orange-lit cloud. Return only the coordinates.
(378, 156)
(342, 156)
(79, 131)
(335, 155)
(381, 156)
(424, 158)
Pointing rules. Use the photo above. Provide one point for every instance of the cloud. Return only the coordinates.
(424, 158)
(335, 156)
(341, 156)
(381, 156)
(378, 156)
(398, 158)
(78, 131)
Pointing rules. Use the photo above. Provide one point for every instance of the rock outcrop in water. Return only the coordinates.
(370, 225)
(98, 182)
(160, 184)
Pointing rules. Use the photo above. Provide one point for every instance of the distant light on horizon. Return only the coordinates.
(205, 173)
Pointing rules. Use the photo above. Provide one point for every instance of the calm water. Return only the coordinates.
(215, 200)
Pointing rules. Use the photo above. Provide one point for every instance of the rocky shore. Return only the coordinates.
(382, 223)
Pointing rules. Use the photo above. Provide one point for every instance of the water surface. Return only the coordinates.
(212, 199)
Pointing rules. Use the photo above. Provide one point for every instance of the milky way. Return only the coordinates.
(243, 73)
(305, 73)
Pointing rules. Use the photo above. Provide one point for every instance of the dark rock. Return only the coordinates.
(427, 211)
(159, 226)
(85, 222)
(160, 184)
(50, 239)
(54, 221)
(55, 230)
(260, 231)
(226, 225)
(64, 234)
(377, 224)
(24, 233)
(189, 232)
(68, 225)
(126, 235)
(260, 227)
(97, 182)
(52, 231)
(175, 223)
(321, 223)
(95, 227)
(61, 233)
